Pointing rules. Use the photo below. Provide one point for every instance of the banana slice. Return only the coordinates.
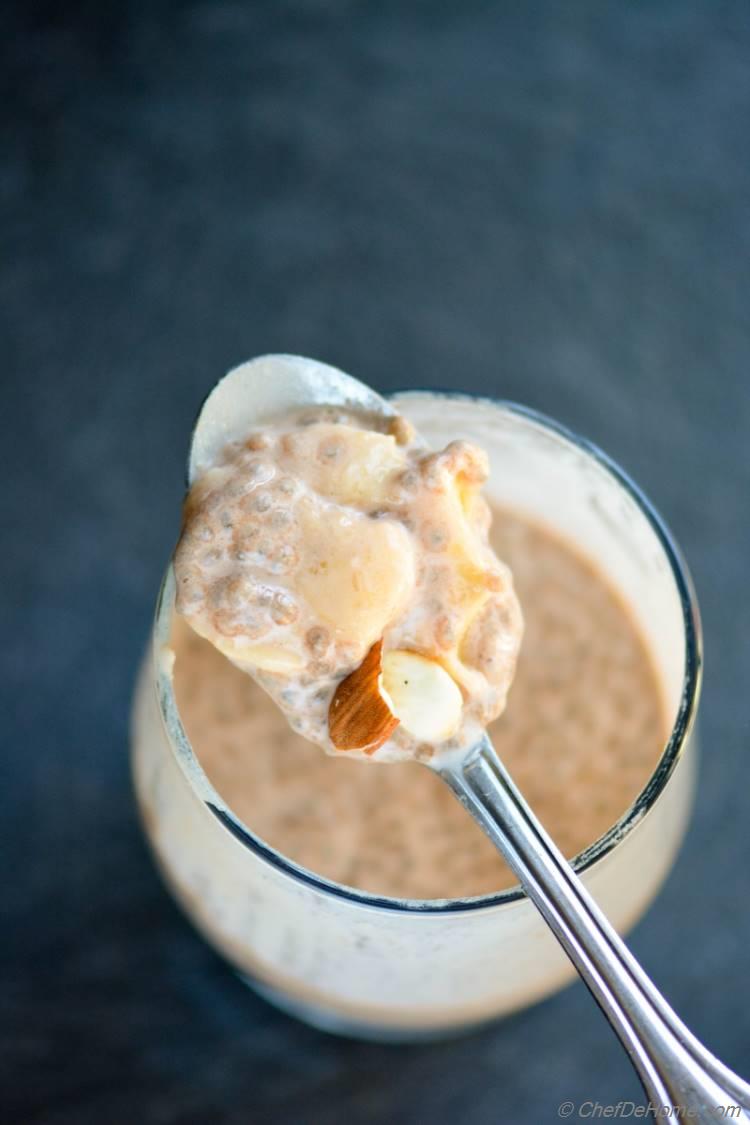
(270, 658)
(358, 573)
(255, 658)
(348, 465)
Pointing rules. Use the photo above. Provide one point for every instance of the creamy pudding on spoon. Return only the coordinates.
(347, 568)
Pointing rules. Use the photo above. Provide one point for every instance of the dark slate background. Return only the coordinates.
(548, 202)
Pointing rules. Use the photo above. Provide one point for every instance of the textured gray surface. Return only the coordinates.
(547, 202)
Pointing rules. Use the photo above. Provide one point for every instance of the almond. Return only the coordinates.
(359, 717)
(424, 697)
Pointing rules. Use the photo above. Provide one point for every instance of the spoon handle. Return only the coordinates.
(676, 1070)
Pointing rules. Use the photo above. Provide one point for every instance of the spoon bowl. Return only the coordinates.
(267, 387)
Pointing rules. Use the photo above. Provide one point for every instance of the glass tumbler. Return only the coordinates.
(388, 968)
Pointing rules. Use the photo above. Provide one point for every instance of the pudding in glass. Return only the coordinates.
(581, 733)
(361, 896)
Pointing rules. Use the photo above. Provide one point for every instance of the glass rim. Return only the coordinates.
(644, 801)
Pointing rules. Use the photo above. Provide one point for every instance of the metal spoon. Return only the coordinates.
(677, 1072)
(264, 388)
(675, 1069)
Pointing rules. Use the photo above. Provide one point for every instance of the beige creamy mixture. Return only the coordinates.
(582, 732)
(332, 535)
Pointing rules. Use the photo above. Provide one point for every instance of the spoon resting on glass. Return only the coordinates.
(357, 587)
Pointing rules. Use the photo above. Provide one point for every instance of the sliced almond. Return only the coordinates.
(359, 717)
(422, 695)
